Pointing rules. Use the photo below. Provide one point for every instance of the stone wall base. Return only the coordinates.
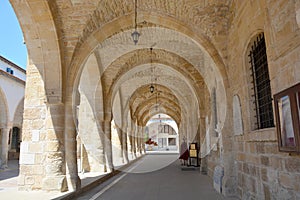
(230, 186)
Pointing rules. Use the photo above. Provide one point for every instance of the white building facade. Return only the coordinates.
(12, 87)
(162, 130)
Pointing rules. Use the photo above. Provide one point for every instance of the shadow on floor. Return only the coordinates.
(11, 172)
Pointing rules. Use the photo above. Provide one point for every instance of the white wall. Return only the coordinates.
(14, 93)
(18, 72)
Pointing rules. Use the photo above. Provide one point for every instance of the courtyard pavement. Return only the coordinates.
(9, 185)
(153, 176)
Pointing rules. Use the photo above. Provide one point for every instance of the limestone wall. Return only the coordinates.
(264, 172)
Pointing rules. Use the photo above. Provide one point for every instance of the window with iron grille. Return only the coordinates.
(261, 84)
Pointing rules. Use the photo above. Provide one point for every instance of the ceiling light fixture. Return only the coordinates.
(135, 35)
(152, 71)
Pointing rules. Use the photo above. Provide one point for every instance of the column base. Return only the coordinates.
(55, 183)
(73, 183)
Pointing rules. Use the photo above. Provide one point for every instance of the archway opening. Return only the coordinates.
(161, 134)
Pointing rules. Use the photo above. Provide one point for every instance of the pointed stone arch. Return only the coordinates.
(43, 46)
(143, 103)
(3, 110)
(136, 58)
(18, 115)
(93, 36)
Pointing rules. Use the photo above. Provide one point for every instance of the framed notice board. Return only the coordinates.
(193, 154)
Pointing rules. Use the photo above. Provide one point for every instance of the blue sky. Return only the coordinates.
(11, 36)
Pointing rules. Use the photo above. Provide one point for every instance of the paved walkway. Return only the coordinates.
(155, 177)
(9, 184)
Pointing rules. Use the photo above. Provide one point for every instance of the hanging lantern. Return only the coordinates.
(135, 37)
(151, 88)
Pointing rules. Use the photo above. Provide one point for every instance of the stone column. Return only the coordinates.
(54, 178)
(106, 125)
(132, 141)
(73, 180)
(42, 147)
(137, 136)
(125, 145)
(142, 139)
(204, 140)
(102, 158)
(120, 148)
(129, 140)
(135, 140)
(5, 139)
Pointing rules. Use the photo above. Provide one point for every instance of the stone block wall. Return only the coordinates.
(264, 172)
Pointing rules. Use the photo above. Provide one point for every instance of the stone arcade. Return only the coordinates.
(12, 88)
(85, 77)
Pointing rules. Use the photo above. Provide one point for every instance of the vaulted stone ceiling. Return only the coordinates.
(79, 18)
(184, 35)
(185, 67)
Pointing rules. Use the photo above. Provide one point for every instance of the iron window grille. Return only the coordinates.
(261, 82)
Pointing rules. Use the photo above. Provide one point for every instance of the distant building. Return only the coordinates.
(163, 130)
(12, 88)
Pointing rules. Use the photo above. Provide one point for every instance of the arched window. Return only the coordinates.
(261, 90)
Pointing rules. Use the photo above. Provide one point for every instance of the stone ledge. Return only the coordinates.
(262, 135)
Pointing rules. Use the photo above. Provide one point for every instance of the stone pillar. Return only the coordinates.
(102, 158)
(54, 178)
(5, 139)
(106, 125)
(203, 146)
(132, 143)
(137, 135)
(130, 138)
(73, 180)
(142, 139)
(120, 148)
(41, 153)
(135, 140)
(125, 145)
